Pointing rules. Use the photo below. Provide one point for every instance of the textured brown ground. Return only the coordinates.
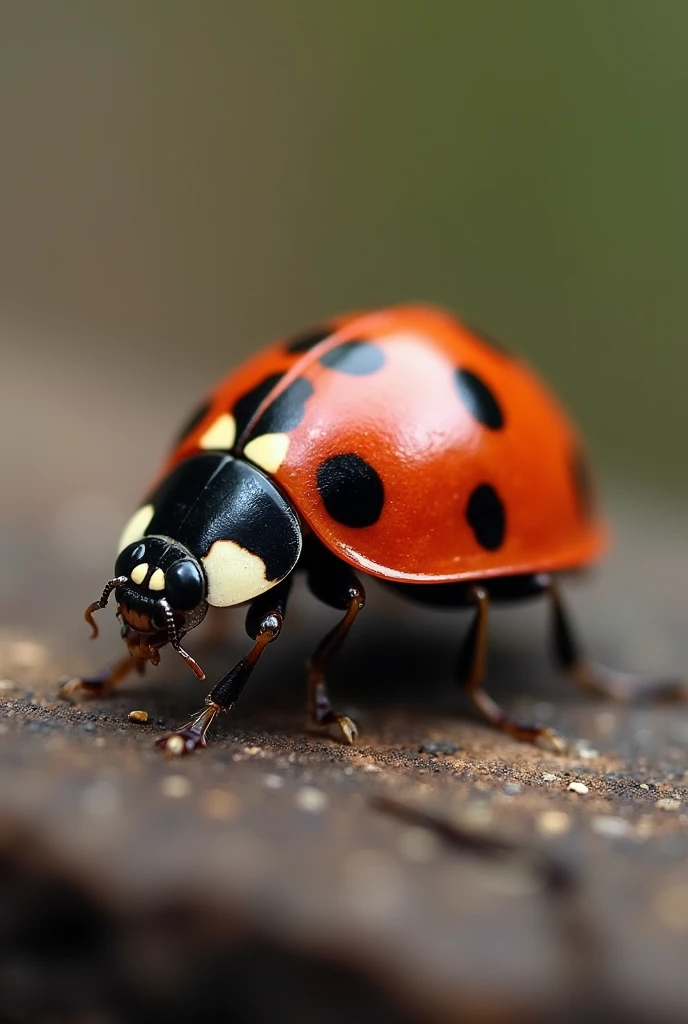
(260, 875)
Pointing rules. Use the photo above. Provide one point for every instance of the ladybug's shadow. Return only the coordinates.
(398, 656)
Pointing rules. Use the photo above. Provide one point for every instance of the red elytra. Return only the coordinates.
(407, 418)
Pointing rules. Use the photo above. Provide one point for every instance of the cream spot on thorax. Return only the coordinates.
(234, 574)
(136, 527)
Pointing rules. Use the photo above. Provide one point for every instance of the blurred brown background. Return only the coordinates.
(180, 182)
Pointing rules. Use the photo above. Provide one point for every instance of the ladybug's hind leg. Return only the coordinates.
(471, 669)
(334, 583)
(597, 678)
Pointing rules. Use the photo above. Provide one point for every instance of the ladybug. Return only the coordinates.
(398, 444)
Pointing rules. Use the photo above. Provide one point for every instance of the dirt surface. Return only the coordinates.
(266, 872)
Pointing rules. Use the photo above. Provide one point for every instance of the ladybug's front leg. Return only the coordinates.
(471, 670)
(263, 623)
(101, 682)
(597, 678)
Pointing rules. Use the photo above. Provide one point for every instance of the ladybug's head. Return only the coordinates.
(160, 589)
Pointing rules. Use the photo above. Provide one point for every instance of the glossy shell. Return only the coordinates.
(415, 449)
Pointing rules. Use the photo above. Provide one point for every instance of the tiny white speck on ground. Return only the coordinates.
(578, 787)
(553, 823)
(175, 786)
(583, 749)
(549, 777)
(273, 781)
(612, 828)
(644, 785)
(668, 803)
(252, 751)
(372, 768)
(312, 800)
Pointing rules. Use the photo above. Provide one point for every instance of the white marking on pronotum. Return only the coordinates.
(139, 572)
(136, 527)
(234, 574)
(220, 435)
(157, 580)
(268, 451)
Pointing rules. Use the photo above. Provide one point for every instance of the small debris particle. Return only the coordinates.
(219, 804)
(252, 751)
(418, 845)
(549, 777)
(138, 716)
(312, 800)
(583, 749)
(437, 747)
(668, 803)
(512, 788)
(671, 906)
(175, 786)
(644, 785)
(372, 768)
(578, 787)
(100, 799)
(553, 823)
(273, 781)
(612, 828)
(175, 746)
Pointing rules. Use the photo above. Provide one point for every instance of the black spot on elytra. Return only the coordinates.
(583, 483)
(192, 422)
(486, 517)
(479, 399)
(245, 407)
(355, 357)
(286, 411)
(308, 340)
(351, 490)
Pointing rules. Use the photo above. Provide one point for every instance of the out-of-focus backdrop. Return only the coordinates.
(180, 182)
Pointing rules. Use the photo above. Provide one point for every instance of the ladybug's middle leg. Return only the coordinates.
(471, 669)
(597, 678)
(335, 583)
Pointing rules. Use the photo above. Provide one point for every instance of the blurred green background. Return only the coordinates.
(180, 182)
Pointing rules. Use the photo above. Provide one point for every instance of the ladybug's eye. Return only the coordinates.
(127, 559)
(184, 585)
